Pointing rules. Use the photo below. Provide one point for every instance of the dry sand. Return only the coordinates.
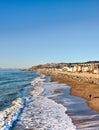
(86, 90)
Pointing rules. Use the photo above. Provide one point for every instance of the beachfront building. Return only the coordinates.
(90, 68)
(96, 71)
(68, 68)
(77, 68)
(85, 68)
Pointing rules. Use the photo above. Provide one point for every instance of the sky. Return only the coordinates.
(36, 32)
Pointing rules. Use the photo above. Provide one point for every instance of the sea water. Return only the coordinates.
(23, 105)
(53, 108)
(29, 101)
(43, 113)
(14, 88)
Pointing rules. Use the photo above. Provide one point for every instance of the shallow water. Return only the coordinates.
(42, 113)
(83, 117)
(43, 106)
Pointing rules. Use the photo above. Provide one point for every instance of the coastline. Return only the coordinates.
(42, 112)
(79, 87)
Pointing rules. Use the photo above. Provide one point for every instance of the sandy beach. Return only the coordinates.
(86, 90)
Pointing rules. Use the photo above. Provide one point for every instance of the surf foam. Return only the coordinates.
(43, 113)
(9, 115)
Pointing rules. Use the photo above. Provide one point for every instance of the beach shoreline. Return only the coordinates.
(79, 87)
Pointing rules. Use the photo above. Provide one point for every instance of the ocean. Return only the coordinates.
(30, 101)
(14, 86)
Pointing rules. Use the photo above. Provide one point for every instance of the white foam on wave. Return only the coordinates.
(9, 115)
(36, 83)
(43, 113)
(38, 80)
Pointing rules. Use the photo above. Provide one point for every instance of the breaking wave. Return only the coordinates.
(43, 113)
(37, 111)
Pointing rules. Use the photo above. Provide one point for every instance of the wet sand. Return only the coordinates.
(86, 90)
(82, 89)
(83, 117)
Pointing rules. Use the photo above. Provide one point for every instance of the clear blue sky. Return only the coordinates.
(42, 31)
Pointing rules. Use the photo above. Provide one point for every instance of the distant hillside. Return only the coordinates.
(59, 65)
(92, 62)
